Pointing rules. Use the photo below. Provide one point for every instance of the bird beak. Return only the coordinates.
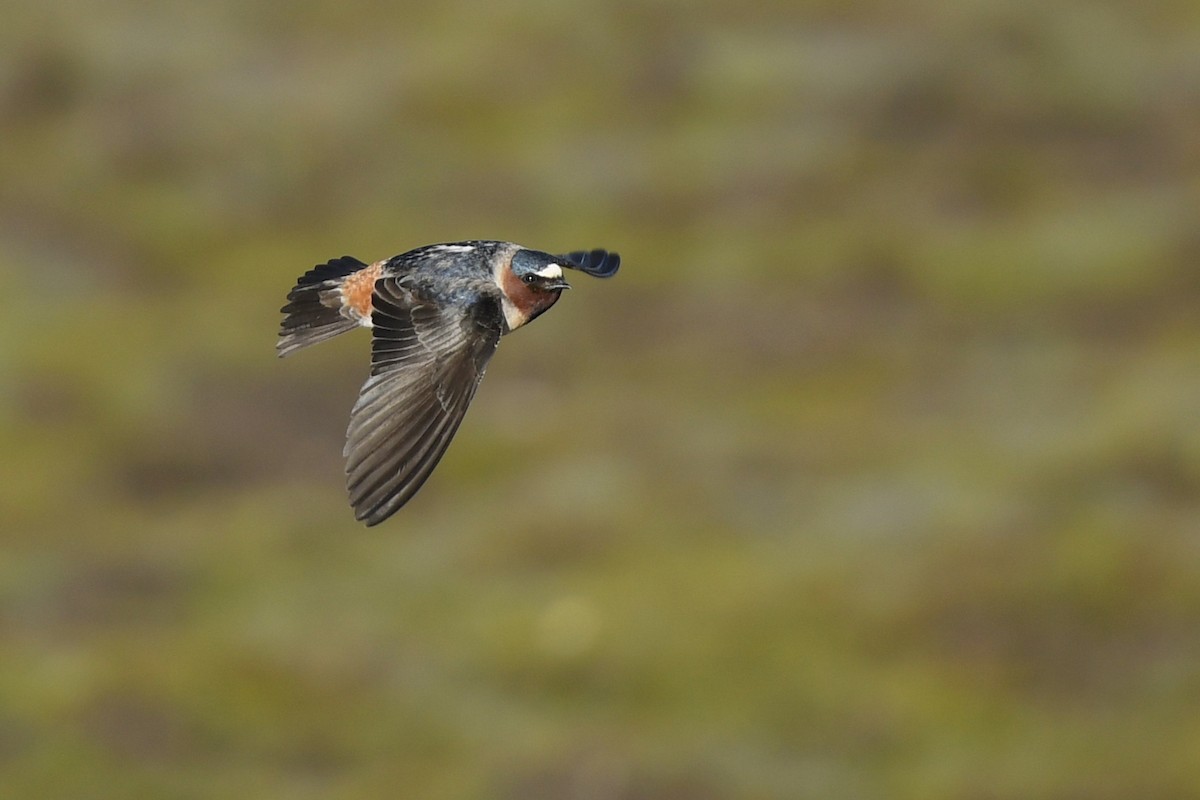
(558, 284)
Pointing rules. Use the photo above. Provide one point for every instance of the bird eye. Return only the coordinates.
(530, 278)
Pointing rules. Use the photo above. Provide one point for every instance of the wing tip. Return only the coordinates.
(371, 518)
(371, 514)
(598, 263)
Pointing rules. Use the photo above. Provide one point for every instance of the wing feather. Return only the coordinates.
(426, 363)
(381, 494)
(598, 263)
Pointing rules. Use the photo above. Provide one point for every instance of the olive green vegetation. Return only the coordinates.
(874, 474)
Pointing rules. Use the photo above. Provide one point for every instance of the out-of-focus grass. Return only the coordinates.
(874, 474)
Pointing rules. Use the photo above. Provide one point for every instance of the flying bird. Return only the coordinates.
(436, 315)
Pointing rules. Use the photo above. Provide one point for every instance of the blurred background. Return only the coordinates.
(874, 474)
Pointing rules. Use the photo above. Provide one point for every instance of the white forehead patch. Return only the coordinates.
(552, 271)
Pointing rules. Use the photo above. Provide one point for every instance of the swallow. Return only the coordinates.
(436, 316)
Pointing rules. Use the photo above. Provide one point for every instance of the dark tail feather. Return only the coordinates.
(313, 313)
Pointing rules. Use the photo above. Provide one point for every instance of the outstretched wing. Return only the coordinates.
(597, 263)
(426, 362)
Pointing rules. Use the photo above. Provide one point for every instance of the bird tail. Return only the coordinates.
(314, 310)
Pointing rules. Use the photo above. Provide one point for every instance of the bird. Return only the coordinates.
(436, 315)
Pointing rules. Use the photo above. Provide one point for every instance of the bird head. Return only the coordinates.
(539, 272)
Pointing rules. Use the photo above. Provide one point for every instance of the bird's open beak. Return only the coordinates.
(558, 284)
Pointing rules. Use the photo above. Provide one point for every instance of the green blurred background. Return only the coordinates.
(875, 473)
